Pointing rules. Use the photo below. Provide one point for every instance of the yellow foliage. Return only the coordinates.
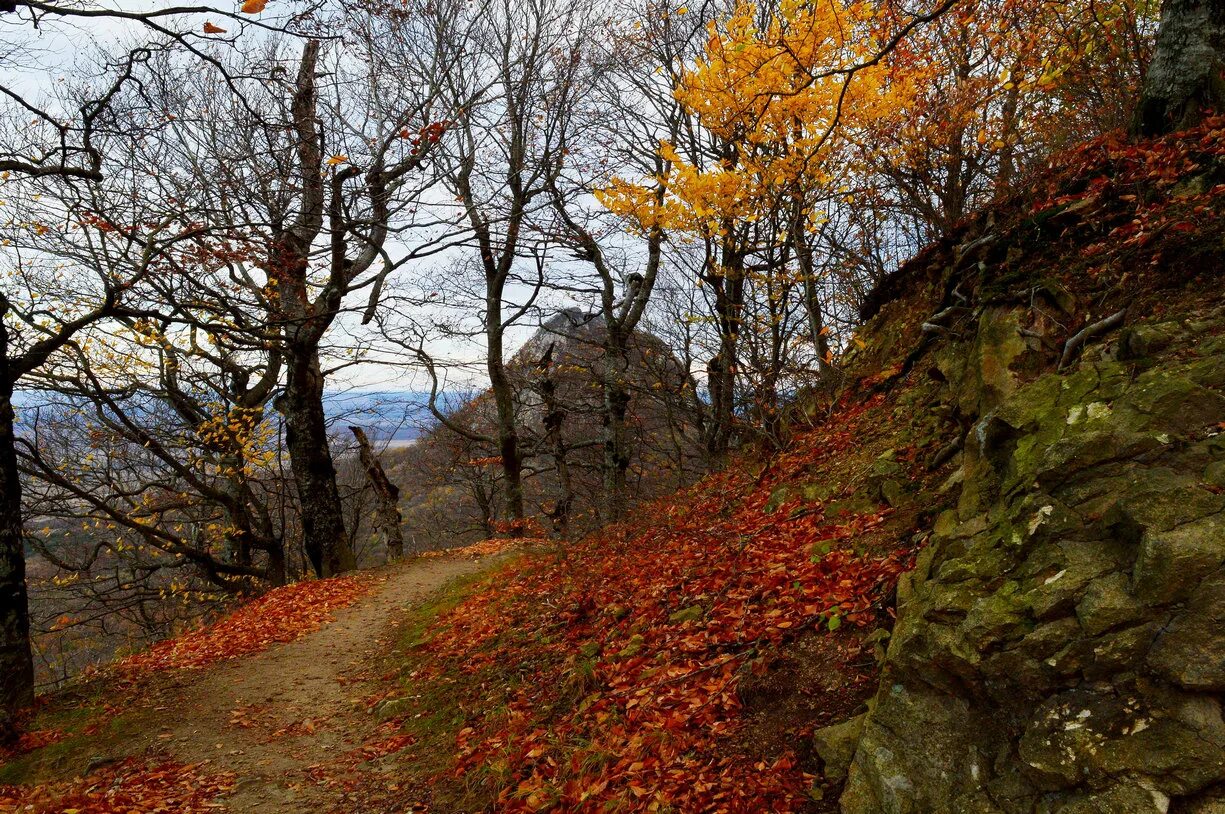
(770, 96)
(807, 96)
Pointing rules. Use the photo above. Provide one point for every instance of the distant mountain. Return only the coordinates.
(398, 416)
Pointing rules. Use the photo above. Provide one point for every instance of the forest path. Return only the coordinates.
(286, 721)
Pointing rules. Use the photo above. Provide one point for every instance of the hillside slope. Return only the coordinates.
(1030, 438)
(265, 710)
(1058, 645)
(987, 577)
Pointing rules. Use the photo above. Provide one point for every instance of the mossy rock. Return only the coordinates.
(1147, 339)
(693, 613)
(858, 503)
(1087, 551)
(393, 708)
(835, 745)
(632, 648)
(806, 492)
(1190, 649)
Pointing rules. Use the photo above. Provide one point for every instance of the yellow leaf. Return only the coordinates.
(337, 159)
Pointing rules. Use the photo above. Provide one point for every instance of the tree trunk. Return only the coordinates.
(721, 369)
(1186, 79)
(812, 296)
(508, 449)
(16, 659)
(250, 530)
(616, 445)
(277, 574)
(323, 525)
(387, 517)
(554, 420)
(484, 503)
(508, 435)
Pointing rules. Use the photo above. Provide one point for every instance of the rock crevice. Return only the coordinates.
(1059, 647)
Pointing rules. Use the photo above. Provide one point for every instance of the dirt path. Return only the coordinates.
(271, 717)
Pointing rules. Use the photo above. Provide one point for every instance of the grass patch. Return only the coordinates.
(77, 753)
(435, 710)
(422, 616)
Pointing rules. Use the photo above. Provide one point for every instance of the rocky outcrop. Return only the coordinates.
(1060, 646)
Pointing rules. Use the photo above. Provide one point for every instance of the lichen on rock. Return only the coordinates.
(1060, 646)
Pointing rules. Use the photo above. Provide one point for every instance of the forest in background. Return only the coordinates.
(222, 213)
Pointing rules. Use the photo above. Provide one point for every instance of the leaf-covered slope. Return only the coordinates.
(684, 660)
(611, 673)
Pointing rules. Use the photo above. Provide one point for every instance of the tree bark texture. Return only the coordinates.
(16, 659)
(554, 419)
(1186, 79)
(387, 517)
(310, 458)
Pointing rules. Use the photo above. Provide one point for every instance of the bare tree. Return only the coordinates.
(43, 308)
(316, 177)
(60, 140)
(386, 495)
(526, 60)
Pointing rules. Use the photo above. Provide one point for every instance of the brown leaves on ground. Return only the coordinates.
(484, 548)
(281, 615)
(29, 741)
(130, 787)
(607, 677)
(1140, 190)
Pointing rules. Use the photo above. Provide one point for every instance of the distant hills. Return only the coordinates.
(396, 417)
(393, 416)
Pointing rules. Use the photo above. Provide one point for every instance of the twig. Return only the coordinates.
(1073, 346)
(960, 253)
(939, 317)
(945, 453)
(933, 328)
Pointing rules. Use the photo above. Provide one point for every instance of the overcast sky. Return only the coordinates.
(34, 60)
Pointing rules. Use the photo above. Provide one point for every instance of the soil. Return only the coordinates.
(283, 720)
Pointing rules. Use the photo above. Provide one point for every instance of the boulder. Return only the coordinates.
(1060, 645)
(835, 745)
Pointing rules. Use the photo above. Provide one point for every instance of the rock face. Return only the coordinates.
(1060, 646)
(835, 745)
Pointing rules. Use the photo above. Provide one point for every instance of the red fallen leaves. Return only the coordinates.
(29, 741)
(281, 615)
(297, 729)
(1135, 186)
(381, 747)
(484, 548)
(129, 787)
(1115, 160)
(617, 665)
(348, 772)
